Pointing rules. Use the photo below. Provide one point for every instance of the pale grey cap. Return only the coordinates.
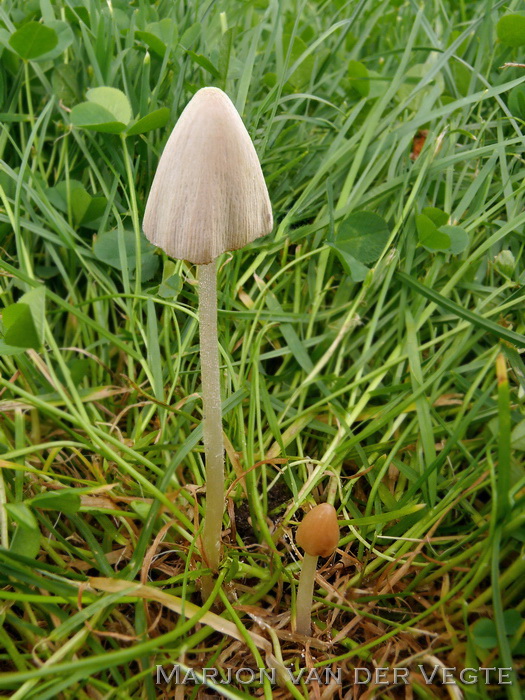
(208, 195)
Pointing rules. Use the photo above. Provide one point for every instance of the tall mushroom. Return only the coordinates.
(208, 196)
(318, 535)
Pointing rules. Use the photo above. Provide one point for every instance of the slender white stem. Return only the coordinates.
(305, 594)
(212, 425)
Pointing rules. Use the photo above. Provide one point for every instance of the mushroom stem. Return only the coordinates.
(305, 592)
(212, 422)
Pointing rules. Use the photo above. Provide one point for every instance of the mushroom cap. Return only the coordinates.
(318, 531)
(208, 194)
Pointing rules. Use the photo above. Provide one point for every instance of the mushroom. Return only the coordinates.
(318, 535)
(208, 196)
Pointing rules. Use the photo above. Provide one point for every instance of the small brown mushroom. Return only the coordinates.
(318, 532)
(318, 535)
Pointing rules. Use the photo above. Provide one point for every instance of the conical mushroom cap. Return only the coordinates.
(318, 531)
(208, 195)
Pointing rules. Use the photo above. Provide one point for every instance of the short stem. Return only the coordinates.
(305, 593)
(212, 423)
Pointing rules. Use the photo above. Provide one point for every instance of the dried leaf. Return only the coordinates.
(189, 610)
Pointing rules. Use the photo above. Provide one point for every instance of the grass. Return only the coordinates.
(397, 397)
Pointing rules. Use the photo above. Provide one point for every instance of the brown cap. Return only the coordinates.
(318, 531)
(209, 194)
